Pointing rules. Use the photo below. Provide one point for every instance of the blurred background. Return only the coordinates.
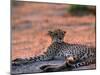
(31, 21)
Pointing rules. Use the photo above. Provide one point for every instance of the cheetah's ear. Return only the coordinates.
(50, 32)
(64, 32)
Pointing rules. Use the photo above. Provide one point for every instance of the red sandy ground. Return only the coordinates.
(34, 41)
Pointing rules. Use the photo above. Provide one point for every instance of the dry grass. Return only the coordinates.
(33, 40)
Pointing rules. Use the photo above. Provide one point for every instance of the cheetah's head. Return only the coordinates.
(57, 35)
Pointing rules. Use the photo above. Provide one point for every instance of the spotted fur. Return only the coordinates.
(61, 50)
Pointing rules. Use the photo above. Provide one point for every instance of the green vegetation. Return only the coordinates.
(81, 10)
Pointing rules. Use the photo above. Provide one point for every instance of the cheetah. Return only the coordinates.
(60, 50)
(56, 46)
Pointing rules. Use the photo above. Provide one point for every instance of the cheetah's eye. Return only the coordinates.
(55, 34)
